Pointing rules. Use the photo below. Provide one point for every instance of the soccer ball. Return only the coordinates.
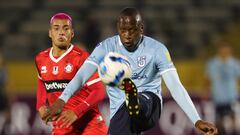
(114, 68)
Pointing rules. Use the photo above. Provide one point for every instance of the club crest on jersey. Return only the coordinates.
(43, 69)
(68, 68)
(141, 61)
(55, 70)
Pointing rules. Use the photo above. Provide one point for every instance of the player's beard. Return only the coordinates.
(62, 45)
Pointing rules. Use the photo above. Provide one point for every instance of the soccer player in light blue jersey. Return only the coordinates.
(132, 111)
(223, 73)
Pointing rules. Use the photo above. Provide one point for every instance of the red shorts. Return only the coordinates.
(83, 126)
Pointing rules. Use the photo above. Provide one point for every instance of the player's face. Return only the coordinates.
(225, 52)
(129, 31)
(61, 33)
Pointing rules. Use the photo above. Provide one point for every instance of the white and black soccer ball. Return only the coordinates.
(114, 68)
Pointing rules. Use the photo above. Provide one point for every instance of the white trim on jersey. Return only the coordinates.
(91, 62)
(164, 71)
(93, 81)
(86, 103)
(39, 77)
(59, 58)
(119, 41)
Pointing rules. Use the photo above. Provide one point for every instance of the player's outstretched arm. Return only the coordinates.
(81, 77)
(96, 95)
(83, 74)
(181, 96)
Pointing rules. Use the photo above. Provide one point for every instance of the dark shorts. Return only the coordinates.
(124, 124)
(224, 110)
(3, 102)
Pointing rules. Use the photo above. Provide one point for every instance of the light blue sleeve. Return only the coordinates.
(163, 59)
(210, 70)
(98, 53)
(180, 94)
(81, 77)
(88, 68)
(238, 68)
(207, 70)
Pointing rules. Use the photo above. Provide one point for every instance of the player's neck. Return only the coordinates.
(225, 58)
(58, 51)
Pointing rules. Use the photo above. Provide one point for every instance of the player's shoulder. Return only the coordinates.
(44, 53)
(213, 61)
(153, 43)
(79, 51)
(110, 40)
(234, 62)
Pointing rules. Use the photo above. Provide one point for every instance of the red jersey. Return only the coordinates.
(56, 73)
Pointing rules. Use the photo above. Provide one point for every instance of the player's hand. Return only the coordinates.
(206, 128)
(67, 118)
(54, 111)
(42, 110)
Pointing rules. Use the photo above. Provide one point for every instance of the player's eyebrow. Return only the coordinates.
(56, 25)
(66, 25)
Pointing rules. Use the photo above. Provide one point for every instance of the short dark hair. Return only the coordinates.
(129, 11)
(133, 12)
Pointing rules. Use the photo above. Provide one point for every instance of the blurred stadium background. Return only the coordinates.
(189, 28)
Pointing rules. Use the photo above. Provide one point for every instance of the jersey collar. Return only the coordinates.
(59, 58)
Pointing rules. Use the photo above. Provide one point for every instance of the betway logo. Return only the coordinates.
(52, 86)
(55, 85)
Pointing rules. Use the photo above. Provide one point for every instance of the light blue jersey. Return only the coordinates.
(224, 78)
(148, 62)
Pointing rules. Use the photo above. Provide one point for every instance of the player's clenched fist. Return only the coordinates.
(206, 127)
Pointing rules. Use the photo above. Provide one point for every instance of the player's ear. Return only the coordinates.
(72, 33)
(141, 27)
(49, 33)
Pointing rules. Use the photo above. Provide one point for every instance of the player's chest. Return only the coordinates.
(64, 69)
(142, 66)
(226, 69)
(140, 59)
(140, 62)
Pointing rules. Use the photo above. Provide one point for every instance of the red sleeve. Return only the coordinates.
(41, 91)
(97, 94)
(41, 94)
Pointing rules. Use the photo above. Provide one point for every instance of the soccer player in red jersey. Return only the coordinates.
(56, 67)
